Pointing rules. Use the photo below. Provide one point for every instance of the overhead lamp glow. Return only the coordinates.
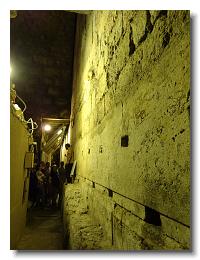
(59, 132)
(47, 128)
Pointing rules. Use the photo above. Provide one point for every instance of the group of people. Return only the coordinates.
(46, 184)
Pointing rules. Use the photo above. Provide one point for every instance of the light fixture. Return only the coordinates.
(59, 132)
(16, 107)
(47, 128)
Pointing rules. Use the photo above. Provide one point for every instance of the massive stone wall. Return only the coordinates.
(130, 124)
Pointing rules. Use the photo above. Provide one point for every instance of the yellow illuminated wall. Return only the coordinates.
(19, 179)
(132, 81)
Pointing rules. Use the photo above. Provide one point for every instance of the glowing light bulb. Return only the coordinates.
(47, 128)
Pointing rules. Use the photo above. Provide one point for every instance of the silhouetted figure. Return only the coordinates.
(46, 183)
(40, 185)
(33, 187)
(69, 162)
(62, 179)
(54, 184)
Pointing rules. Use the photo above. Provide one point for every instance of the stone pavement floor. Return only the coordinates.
(44, 230)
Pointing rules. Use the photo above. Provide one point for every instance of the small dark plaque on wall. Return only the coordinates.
(124, 141)
(152, 216)
(110, 193)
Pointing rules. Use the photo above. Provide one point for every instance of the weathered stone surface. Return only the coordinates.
(138, 26)
(121, 227)
(138, 86)
(82, 232)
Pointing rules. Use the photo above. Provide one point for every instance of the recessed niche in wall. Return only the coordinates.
(110, 193)
(152, 216)
(100, 149)
(124, 141)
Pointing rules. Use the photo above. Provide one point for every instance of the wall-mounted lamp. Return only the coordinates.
(47, 128)
(59, 132)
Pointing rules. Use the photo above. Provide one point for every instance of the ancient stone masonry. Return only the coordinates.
(130, 131)
(81, 231)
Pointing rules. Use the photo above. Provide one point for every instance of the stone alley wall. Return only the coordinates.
(19, 178)
(130, 125)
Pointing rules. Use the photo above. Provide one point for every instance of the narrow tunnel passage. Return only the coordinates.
(44, 230)
(110, 124)
(71, 229)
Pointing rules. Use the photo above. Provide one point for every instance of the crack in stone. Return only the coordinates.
(148, 28)
(131, 43)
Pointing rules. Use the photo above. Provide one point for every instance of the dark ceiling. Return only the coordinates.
(41, 49)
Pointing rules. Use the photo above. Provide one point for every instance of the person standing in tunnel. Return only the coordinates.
(54, 184)
(32, 196)
(40, 184)
(46, 183)
(62, 179)
(69, 163)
